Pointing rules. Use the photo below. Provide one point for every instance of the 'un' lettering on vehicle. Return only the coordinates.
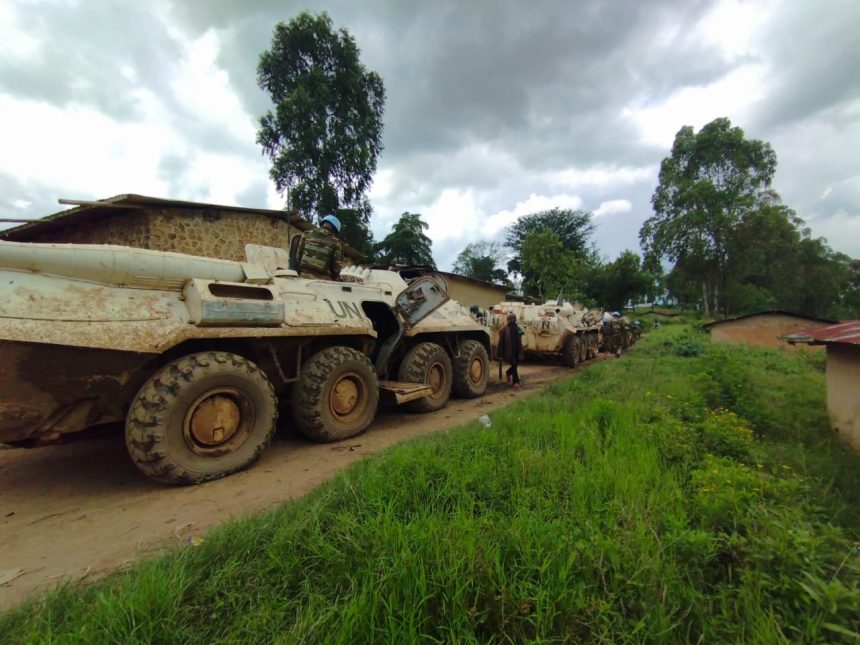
(345, 309)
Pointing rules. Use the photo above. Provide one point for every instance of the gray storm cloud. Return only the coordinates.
(495, 100)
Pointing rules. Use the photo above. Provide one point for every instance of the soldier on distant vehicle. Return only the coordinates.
(320, 252)
(511, 348)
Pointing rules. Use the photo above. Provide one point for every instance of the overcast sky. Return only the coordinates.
(494, 109)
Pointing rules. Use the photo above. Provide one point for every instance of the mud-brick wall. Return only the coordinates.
(214, 234)
(217, 234)
(469, 293)
(843, 384)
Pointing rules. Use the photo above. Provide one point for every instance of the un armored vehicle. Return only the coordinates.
(551, 330)
(196, 354)
(618, 333)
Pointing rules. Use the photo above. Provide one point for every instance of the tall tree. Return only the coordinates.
(481, 260)
(825, 279)
(709, 183)
(548, 268)
(407, 244)
(325, 131)
(850, 296)
(764, 260)
(654, 268)
(573, 228)
(615, 284)
(355, 232)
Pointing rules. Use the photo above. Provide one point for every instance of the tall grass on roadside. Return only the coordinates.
(687, 492)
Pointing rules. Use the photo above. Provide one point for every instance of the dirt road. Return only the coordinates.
(80, 510)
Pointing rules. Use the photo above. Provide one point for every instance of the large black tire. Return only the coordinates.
(570, 351)
(471, 370)
(583, 348)
(201, 417)
(336, 395)
(428, 363)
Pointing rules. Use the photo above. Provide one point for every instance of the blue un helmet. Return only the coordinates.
(334, 221)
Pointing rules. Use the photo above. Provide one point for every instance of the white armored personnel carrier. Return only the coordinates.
(551, 330)
(195, 354)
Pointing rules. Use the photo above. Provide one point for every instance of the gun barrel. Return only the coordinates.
(116, 265)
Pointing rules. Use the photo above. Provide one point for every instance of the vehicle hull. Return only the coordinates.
(49, 390)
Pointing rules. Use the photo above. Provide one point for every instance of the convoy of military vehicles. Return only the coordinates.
(198, 356)
(564, 331)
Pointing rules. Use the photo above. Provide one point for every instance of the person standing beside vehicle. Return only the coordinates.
(320, 252)
(511, 348)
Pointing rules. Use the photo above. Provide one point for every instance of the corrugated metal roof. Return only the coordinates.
(847, 332)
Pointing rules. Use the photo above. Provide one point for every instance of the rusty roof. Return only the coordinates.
(847, 332)
(768, 312)
(119, 204)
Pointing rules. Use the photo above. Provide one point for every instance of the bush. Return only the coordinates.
(725, 434)
(676, 341)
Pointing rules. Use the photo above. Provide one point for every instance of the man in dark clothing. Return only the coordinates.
(511, 348)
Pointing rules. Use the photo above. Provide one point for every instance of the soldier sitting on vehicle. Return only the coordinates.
(320, 254)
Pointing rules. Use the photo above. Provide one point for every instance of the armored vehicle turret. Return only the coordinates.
(195, 354)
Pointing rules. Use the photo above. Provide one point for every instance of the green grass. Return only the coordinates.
(688, 492)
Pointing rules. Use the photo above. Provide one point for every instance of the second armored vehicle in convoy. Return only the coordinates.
(551, 330)
(617, 333)
(195, 354)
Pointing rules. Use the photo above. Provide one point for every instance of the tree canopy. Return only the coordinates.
(572, 228)
(355, 232)
(325, 132)
(709, 184)
(545, 263)
(407, 244)
(481, 260)
(616, 283)
(735, 246)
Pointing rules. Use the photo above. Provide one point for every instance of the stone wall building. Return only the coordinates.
(762, 329)
(210, 230)
(843, 375)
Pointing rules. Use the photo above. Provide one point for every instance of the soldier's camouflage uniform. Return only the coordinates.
(319, 255)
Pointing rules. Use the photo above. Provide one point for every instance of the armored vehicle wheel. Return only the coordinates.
(336, 395)
(570, 351)
(583, 349)
(201, 417)
(428, 363)
(471, 370)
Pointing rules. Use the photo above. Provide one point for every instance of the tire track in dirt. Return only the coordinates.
(81, 510)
